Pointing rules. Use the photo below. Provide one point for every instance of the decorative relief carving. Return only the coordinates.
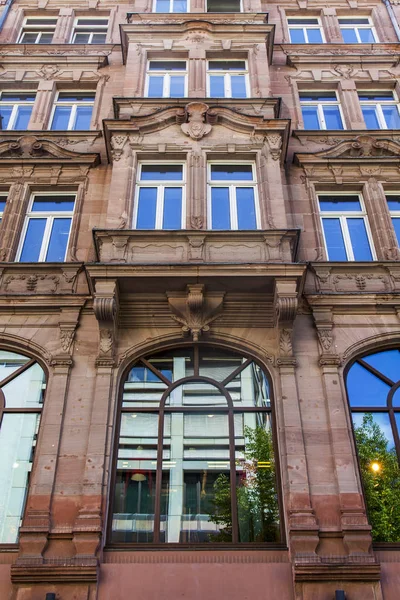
(196, 247)
(105, 306)
(362, 146)
(285, 342)
(196, 222)
(325, 338)
(28, 283)
(67, 335)
(274, 143)
(195, 310)
(106, 340)
(196, 120)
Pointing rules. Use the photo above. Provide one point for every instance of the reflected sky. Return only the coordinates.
(382, 419)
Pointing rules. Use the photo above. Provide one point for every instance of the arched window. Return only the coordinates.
(195, 461)
(373, 387)
(22, 384)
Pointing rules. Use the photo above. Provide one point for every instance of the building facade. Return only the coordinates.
(199, 300)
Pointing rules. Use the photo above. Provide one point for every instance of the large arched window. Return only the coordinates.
(373, 387)
(22, 384)
(195, 461)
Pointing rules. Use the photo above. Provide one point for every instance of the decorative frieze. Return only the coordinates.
(195, 309)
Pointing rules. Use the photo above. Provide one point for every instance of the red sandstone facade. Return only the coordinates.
(123, 292)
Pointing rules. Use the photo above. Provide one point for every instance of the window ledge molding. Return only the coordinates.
(331, 54)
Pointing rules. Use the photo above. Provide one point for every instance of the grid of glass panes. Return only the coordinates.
(166, 79)
(227, 79)
(38, 30)
(393, 201)
(160, 196)
(3, 200)
(16, 109)
(357, 30)
(171, 6)
(345, 227)
(47, 228)
(380, 109)
(232, 196)
(305, 30)
(321, 110)
(224, 6)
(90, 31)
(72, 111)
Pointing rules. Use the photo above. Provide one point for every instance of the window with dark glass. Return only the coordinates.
(305, 30)
(321, 110)
(195, 459)
(357, 30)
(380, 109)
(72, 111)
(373, 388)
(224, 6)
(37, 30)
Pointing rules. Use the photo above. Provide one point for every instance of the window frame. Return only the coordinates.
(3, 197)
(232, 195)
(320, 109)
(49, 216)
(227, 78)
(394, 214)
(15, 107)
(225, 12)
(356, 27)
(77, 29)
(74, 108)
(26, 28)
(160, 185)
(377, 104)
(304, 28)
(166, 75)
(171, 6)
(343, 223)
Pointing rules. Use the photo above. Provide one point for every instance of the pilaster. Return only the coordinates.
(42, 106)
(351, 104)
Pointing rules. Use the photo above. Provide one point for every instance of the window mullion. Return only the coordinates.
(167, 85)
(346, 237)
(46, 238)
(321, 116)
(227, 86)
(381, 117)
(233, 206)
(71, 122)
(159, 206)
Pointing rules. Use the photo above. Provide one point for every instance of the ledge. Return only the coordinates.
(373, 55)
(35, 279)
(58, 54)
(67, 570)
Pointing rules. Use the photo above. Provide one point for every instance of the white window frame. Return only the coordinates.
(356, 27)
(160, 184)
(84, 28)
(49, 216)
(362, 214)
(305, 27)
(166, 74)
(74, 105)
(15, 105)
(232, 185)
(171, 6)
(377, 104)
(320, 105)
(31, 28)
(227, 77)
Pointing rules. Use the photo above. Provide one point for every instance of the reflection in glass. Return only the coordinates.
(386, 362)
(365, 388)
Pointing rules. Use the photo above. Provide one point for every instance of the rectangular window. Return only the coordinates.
(321, 110)
(16, 109)
(345, 227)
(393, 201)
(90, 31)
(160, 196)
(232, 196)
(357, 30)
(166, 79)
(171, 6)
(380, 109)
(3, 200)
(305, 31)
(224, 6)
(227, 79)
(38, 30)
(72, 111)
(47, 227)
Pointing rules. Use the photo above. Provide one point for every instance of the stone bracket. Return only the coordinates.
(194, 310)
(285, 301)
(106, 308)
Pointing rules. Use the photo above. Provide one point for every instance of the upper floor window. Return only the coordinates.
(166, 79)
(90, 31)
(357, 30)
(47, 228)
(380, 109)
(160, 196)
(16, 109)
(232, 196)
(195, 462)
(305, 30)
(393, 201)
(321, 110)
(224, 6)
(373, 388)
(227, 79)
(22, 386)
(345, 227)
(72, 110)
(37, 30)
(3, 200)
(171, 6)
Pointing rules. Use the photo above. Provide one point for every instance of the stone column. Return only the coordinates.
(63, 30)
(386, 245)
(272, 198)
(42, 106)
(197, 73)
(196, 200)
(331, 26)
(351, 104)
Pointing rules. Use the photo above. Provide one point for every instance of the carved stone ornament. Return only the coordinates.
(196, 120)
(195, 310)
(285, 342)
(364, 146)
(67, 335)
(105, 308)
(325, 338)
(32, 148)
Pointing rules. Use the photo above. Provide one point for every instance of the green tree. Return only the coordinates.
(381, 487)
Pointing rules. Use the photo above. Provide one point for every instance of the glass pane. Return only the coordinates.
(396, 402)
(314, 36)
(308, 21)
(162, 6)
(179, 6)
(58, 240)
(318, 96)
(81, 38)
(377, 96)
(96, 22)
(386, 362)
(333, 120)
(99, 38)
(366, 389)
(366, 36)
(177, 86)
(5, 114)
(18, 97)
(155, 87)
(334, 239)
(2, 205)
(167, 65)
(198, 505)
(46, 38)
(172, 217)
(33, 240)
(75, 97)
(379, 419)
(393, 202)
(359, 239)
(392, 118)
(61, 118)
(196, 394)
(297, 36)
(246, 208)
(310, 117)
(257, 501)
(345, 203)
(396, 225)
(146, 214)
(227, 65)
(10, 362)
(175, 364)
(23, 116)
(220, 209)
(223, 6)
(354, 21)
(17, 440)
(28, 38)
(349, 36)
(83, 118)
(159, 172)
(143, 387)
(250, 388)
(370, 117)
(26, 390)
(62, 203)
(218, 364)
(238, 85)
(232, 172)
(217, 86)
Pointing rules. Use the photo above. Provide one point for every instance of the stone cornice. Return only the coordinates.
(42, 279)
(59, 54)
(332, 54)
